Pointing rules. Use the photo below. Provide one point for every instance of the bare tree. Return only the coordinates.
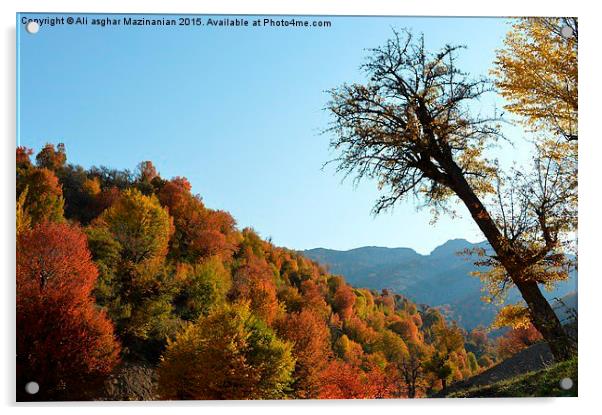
(411, 372)
(413, 127)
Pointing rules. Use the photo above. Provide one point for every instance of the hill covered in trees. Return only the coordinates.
(443, 278)
(118, 266)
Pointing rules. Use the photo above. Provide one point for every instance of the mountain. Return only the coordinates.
(442, 278)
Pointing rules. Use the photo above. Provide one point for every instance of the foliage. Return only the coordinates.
(63, 341)
(441, 367)
(51, 158)
(229, 354)
(140, 225)
(240, 317)
(516, 340)
(253, 281)
(201, 287)
(23, 220)
(129, 241)
(310, 337)
(343, 301)
(342, 380)
(44, 197)
(512, 315)
(406, 125)
(199, 232)
(536, 72)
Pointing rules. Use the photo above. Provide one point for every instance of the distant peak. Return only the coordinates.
(452, 246)
(360, 249)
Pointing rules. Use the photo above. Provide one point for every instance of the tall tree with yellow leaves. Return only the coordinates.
(536, 72)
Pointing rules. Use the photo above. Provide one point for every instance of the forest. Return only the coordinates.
(115, 267)
(121, 272)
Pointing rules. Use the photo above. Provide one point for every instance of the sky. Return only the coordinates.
(239, 112)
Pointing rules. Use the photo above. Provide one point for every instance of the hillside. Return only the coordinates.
(544, 382)
(441, 278)
(132, 288)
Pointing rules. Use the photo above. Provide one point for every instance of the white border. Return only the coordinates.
(590, 279)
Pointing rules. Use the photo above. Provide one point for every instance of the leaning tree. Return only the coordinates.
(414, 127)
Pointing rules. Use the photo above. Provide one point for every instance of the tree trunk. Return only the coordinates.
(542, 314)
(412, 391)
(546, 321)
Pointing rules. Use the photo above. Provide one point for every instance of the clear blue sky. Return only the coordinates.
(236, 110)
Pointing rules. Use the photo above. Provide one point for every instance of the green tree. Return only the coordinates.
(229, 354)
(44, 197)
(140, 225)
(201, 287)
(472, 363)
(129, 243)
(392, 346)
(440, 365)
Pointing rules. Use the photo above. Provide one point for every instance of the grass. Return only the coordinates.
(542, 383)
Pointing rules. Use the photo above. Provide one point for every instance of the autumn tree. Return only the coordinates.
(140, 225)
(51, 158)
(440, 365)
(146, 171)
(290, 298)
(44, 196)
(148, 179)
(343, 301)
(478, 343)
(341, 380)
(516, 339)
(64, 343)
(311, 348)
(253, 280)
(412, 368)
(23, 158)
(406, 328)
(349, 350)
(199, 232)
(314, 298)
(392, 346)
(83, 193)
(448, 338)
(358, 330)
(23, 219)
(536, 72)
(201, 287)
(129, 241)
(230, 354)
(412, 128)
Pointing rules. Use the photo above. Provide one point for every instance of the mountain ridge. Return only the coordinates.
(441, 278)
